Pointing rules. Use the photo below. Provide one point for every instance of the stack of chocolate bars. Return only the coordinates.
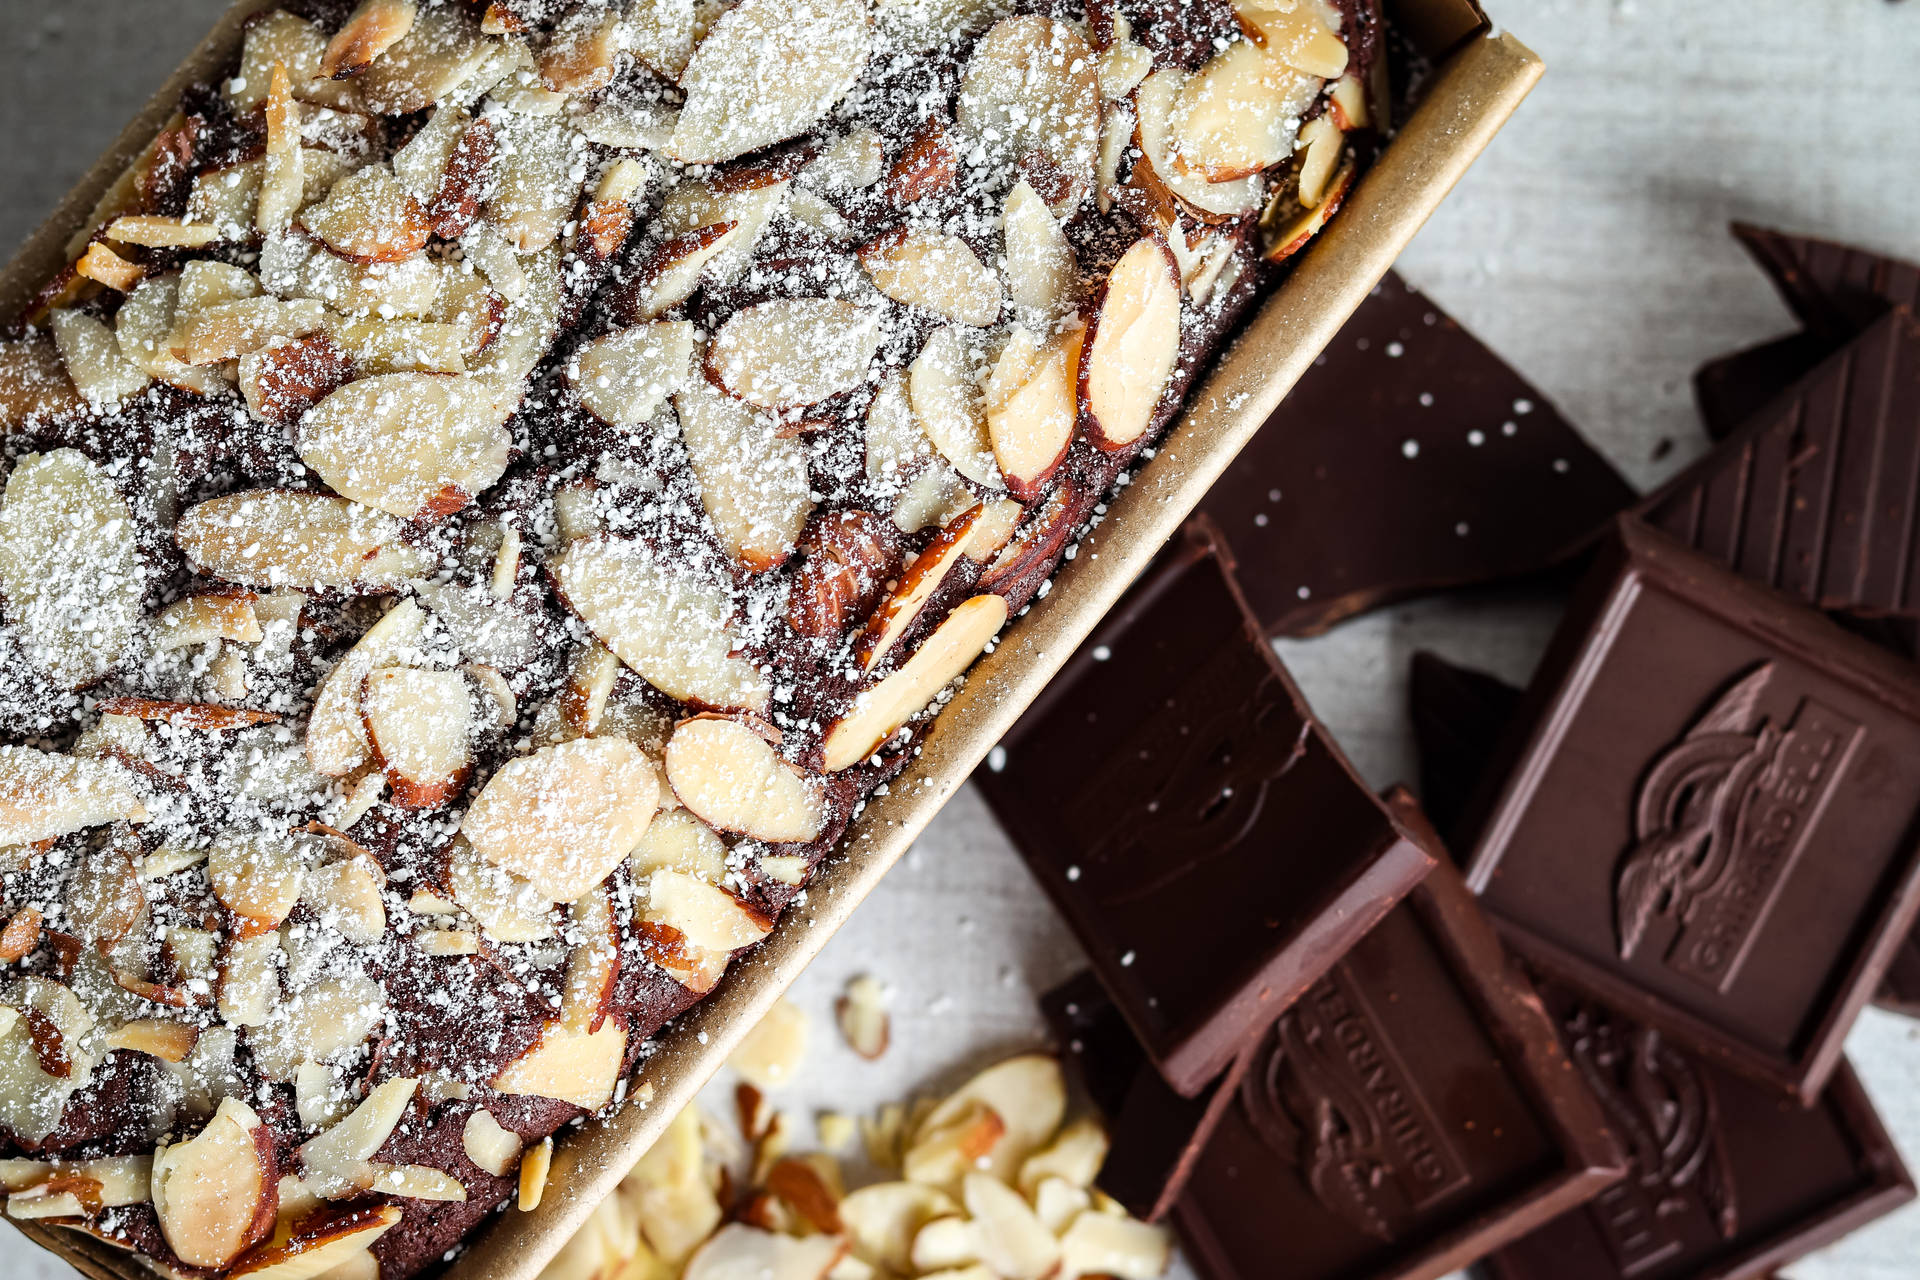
(1578, 1010)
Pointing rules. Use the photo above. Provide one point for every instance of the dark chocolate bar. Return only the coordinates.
(1413, 1111)
(1710, 817)
(1409, 459)
(1819, 494)
(1196, 825)
(1729, 1179)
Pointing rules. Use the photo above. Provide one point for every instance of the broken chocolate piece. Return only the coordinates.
(1709, 818)
(1459, 716)
(1727, 1178)
(1731, 389)
(1409, 459)
(1836, 290)
(1196, 825)
(1819, 495)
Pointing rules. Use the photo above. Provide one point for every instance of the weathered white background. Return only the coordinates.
(1588, 246)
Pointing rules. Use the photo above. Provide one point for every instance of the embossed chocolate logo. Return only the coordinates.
(1721, 817)
(1331, 1095)
(1665, 1109)
(1180, 792)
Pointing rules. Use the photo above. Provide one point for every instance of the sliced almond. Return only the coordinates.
(410, 444)
(882, 1220)
(216, 1193)
(103, 265)
(704, 915)
(626, 377)
(941, 1155)
(534, 188)
(766, 71)
(855, 160)
(725, 772)
(283, 381)
(947, 404)
(44, 796)
(1030, 86)
(809, 1192)
(576, 1068)
(369, 216)
(1027, 1092)
(862, 1014)
(279, 538)
(936, 271)
(664, 35)
(1012, 1241)
(463, 183)
(943, 1244)
(1239, 114)
(754, 481)
(849, 558)
(1103, 1244)
(1321, 150)
(593, 966)
(159, 1038)
(590, 681)
(420, 726)
(21, 937)
(283, 183)
(926, 165)
(93, 359)
(1287, 226)
(669, 274)
(1124, 62)
(878, 713)
(319, 1245)
(678, 841)
(369, 31)
(566, 815)
(506, 907)
(1032, 409)
(283, 37)
(581, 54)
(1132, 344)
(336, 733)
(69, 566)
(770, 1055)
(154, 232)
(33, 382)
(488, 1144)
(794, 352)
(902, 608)
(256, 876)
(1347, 104)
(403, 346)
(896, 447)
(250, 978)
(1296, 35)
(229, 330)
(441, 52)
(665, 622)
(1156, 103)
(143, 327)
(741, 1252)
(346, 896)
(1075, 1154)
(335, 1164)
(1041, 272)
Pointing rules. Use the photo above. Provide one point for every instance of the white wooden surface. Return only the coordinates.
(1588, 246)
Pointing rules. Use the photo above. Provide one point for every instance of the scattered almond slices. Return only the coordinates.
(1032, 406)
(143, 328)
(765, 71)
(441, 52)
(667, 622)
(566, 815)
(883, 1219)
(793, 352)
(671, 271)
(581, 54)
(1030, 86)
(336, 732)
(534, 185)
(312, 541)
(323, 1243)
(410, 444)
(507, 907)
(593, 965)
(1029, 1095)
(335, 1164)
(216, 1193)
(1287, 226)
(729, 777)
(916, 589)
(878, 713)
(936, 271)
(1132, 344)
(753, 480)
(420, 725)
(69, 566)
(664, 35)
(861, 1012)
(946, 400)
(494, 1148)
(770, 1055)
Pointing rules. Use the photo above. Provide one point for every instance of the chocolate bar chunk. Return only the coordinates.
(1710, 820)
(1196, 825)
(1731, 389)
(1413, 1111)
(1459, 716)
(1409, 459)
(1819, 495)
(1729, 1178)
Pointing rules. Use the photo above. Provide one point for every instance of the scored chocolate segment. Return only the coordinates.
(1710, 817)
(1727, 1177)
(1197, 826)
(1409, 1114)
(1409, 459)
(1819, 494)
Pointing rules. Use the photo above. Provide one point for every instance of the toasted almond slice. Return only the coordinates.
(1156, 103)
(1238, 114)
(154, 232)
(1030, 86)
(943, 1244)
(1012, 1241)
(534, 1168)
(441, 52)
(369, 216)
(279, 36)
(810, 1192)
(488, 1144)
(626, 377)
(1041, 272)
(941, 1155)
(862, 1014)
(257, 876)
(1288, 227)
(420, 726)
(1347, 104)
(664, 35)
(410, 444)
(333, 1164)
(593, 966)
(320, 1244)
(1296, 35)
(369, 31)
(93, 359)
(33, 382)
(22, 934)
(143, 327)
(666, 623)
(1027, 1092)
(725, 772)
(669, 274)
(678, 841)
(580, 55)
(566, 815)
(346, 897)
(794, 352)
(453, 206)
(576, 1068)
(250, 979)
(216, 1193)
(276, 538)
(1322, 149)
(403, 346)
(336, 733)
(283, 381)
(753, 481)
(1031, 414)
(422, 163)
(878, 713)
(69, 566)
(44, 796)
(855, 160)
(590, 681)
(103, 265)
(1102, 1244)
(320, 1021)
(765, 71)
(947, 404)
(534, 187)
(1132, 343)
(936, 271)
(926, 165)
(1124, 62)
(206, 282)
(506, 907)
(1075, 1154)
(896, 447)
(741, 1252)
(882, 1220)
(160, 1038)
(770, 1055)
(901, 609)
(229, 330)
(283, 183)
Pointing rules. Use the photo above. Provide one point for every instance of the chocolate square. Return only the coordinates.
(1409, 459)
(1413, 1111)
(1198, 828)
(1728, 1178)
(1710, 820)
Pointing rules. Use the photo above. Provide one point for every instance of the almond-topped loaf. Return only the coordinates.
(495, 489)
